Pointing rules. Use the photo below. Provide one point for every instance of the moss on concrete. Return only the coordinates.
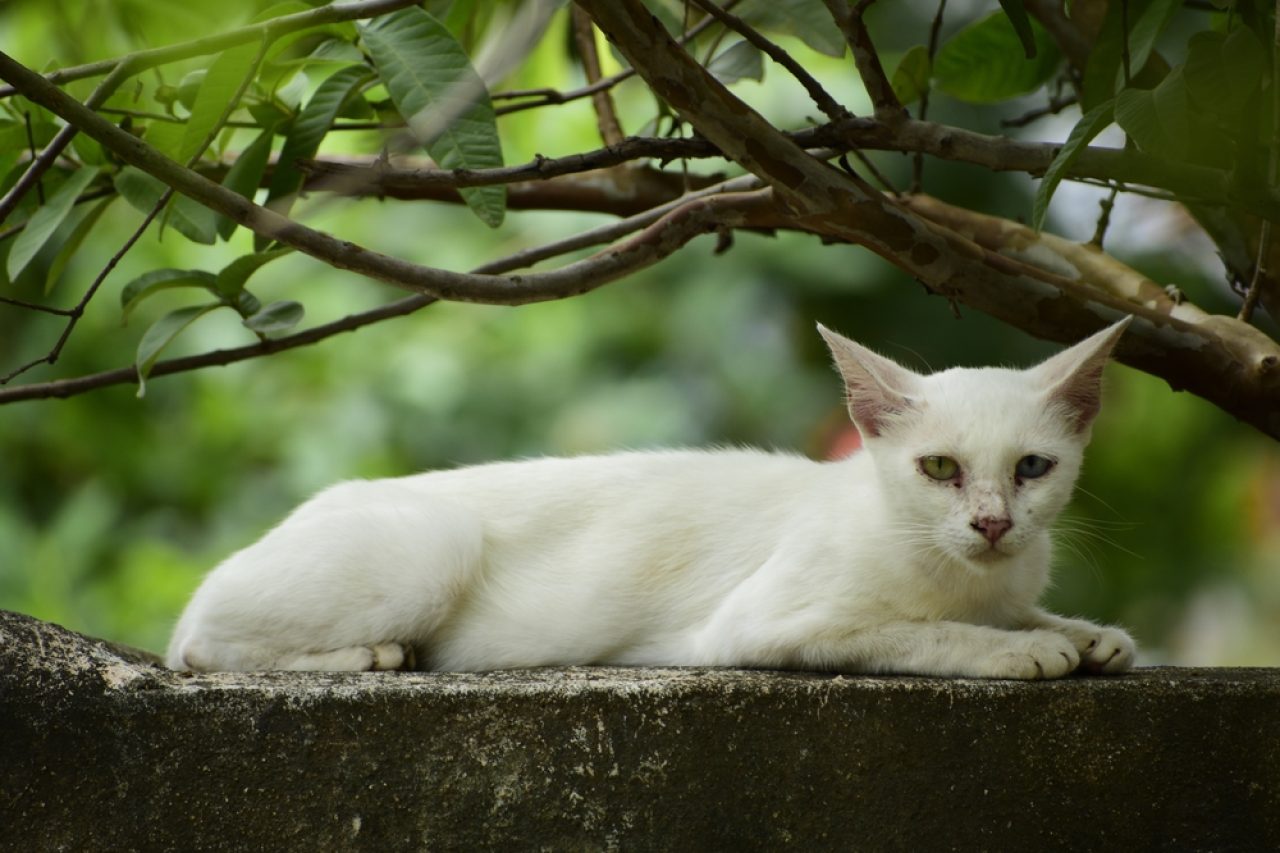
(100, 749)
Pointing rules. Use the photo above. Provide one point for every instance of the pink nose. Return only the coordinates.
(992, 528)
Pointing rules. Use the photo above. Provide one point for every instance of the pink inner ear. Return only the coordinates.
(871, 407)
(1081, 393)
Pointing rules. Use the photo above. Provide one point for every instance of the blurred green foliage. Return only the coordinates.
(112, 507)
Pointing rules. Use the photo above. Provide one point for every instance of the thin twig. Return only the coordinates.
(1254, 293)
(31, 144)
(887, 106)
(1104, 218)
(584, 36)
(31, 306)
(833, 109)
(917, 162)
(1056, 105)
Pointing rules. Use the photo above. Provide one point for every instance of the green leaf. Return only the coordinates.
(336, 50)
(276, 317)
(232, 277)
(13, 136)
(245, 174)
(220, 84)
(740, 60)
(1090, 125)
(165, 137)
(1223, 72)
(149, 284)
(46, 219)
(89, 151)
(160, 334)
(1017, 15)
(441, 96)
(1104, 72)
(1159, 120)
(73, 242)
(246, 304)
(189, 87)
(309, 128)
(143, 192)
(807, 20)
(8, 159)
(911, 78)
(984, 62)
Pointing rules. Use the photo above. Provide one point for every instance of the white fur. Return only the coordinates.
(732, 557)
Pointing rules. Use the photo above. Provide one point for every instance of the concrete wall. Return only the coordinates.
(101, 750)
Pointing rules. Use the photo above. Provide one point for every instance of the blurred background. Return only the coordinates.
(112, 507)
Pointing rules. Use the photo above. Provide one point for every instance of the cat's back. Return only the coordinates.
(716, 473)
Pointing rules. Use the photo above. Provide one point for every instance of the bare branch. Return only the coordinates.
(888, 108)
(584, 37)
(32, 306)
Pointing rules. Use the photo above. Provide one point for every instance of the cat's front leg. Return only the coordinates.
(945, 649)
(954, 649)
(1104, 649)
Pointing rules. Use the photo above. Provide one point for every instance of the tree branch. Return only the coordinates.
(1189, 355)
(571, 280)
(997, 153)
(62, 388)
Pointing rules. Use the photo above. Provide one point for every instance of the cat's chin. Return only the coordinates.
(989, 556)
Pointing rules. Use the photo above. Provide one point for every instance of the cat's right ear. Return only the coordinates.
(878, 390)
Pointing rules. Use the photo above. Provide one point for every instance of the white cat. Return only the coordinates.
(923, 553)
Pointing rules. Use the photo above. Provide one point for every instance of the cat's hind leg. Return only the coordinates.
(351, 581)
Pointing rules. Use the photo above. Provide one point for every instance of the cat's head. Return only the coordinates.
(975, 463)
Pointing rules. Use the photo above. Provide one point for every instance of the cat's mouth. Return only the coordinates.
(989, 554)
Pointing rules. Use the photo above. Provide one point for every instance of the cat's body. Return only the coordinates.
(732, 557)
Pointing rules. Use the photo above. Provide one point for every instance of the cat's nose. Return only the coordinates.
(992, 528)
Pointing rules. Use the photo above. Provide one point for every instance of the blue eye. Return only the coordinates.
(1031, 467)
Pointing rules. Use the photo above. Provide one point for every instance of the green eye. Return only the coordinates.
(940, 467)
(1031, 467)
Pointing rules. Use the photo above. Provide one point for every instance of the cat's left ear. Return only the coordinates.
(1073, 377)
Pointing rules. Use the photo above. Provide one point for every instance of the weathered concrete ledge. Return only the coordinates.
(102, 750)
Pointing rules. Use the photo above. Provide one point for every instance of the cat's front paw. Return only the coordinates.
(1032, 655)
(1106, 651)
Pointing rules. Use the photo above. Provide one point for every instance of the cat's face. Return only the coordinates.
(975, 464)
(982, 467)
